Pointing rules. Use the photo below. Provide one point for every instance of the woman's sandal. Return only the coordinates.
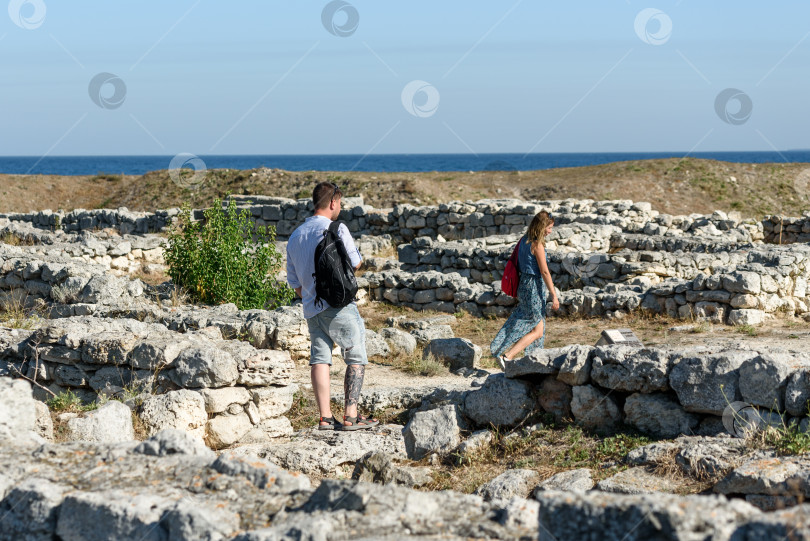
(353, 424)
(334, 424)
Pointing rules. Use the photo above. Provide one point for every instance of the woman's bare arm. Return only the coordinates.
(540, 255)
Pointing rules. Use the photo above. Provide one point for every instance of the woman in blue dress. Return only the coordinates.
(526, 326)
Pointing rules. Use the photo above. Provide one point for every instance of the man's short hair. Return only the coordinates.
(324, 193)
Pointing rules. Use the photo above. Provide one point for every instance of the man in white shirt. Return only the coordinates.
(329, 326)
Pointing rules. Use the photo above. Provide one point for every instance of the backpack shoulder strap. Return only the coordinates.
(335, 226)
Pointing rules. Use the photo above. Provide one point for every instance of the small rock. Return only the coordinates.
(110, 423)
(579, 480)
(508, 485)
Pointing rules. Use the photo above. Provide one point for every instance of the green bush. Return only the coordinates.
(226, 258)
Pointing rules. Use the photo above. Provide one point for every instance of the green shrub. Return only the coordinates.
(226, 258)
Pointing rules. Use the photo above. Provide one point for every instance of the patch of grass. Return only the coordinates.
(788, 439)
(15, 312)
(547, 448)
(11, 239)
(750, 330)
(151, 278)
(701, 327)
(68, 401)
(420, 365)
(304, 411)
(107, 177)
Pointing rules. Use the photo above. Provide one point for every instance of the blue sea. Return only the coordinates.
(138, 165)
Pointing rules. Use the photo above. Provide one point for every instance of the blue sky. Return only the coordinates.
(267, 77)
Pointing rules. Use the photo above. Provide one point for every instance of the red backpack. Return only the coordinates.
(511, 273)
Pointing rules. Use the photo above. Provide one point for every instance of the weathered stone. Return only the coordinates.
(708, 383)
(457, 353)
(764, 379)
(398, 340)
(579, 480)
(797, 393)
(742, 282)
(658, 415)
(784, 476)
(652, 454)
(218, 400)
(183, 410)
(226, 429)
(576, 366)
(597, 515)
(705, 456)
(638, 480)
(110, 423)
(594, 409)
(433, 431)
(477, 441)
(18, 416)
(261, 473)
(631, 369)
(376, 346)
(173, 442)
(376, 467)
(423, 336)
(745, 316)
(111, 514)
(44, 424)
(30, 510)
(508, 485)
(500, 402)
(204, 367)
(273, 401)
(322, 452)
(555, 398)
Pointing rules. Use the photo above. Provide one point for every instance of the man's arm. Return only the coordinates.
(298, 292)
(351, 249)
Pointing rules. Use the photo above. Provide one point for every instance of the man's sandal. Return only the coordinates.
(369, 421)
(334, 424)
(351, 423)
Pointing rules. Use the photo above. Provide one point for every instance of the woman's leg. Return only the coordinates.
(534, 334)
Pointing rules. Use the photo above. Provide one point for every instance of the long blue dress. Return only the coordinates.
(531, 307)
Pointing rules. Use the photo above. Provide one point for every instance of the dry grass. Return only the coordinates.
(17, 312)
(151, 278)
(13, 239)
(549, 449)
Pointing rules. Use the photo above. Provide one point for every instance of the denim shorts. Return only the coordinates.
(341, 326)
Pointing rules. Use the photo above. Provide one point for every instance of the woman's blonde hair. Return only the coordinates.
(537, 229)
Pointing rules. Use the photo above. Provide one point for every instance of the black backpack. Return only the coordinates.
(334, 274)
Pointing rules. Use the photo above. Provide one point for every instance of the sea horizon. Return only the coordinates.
(70, 165)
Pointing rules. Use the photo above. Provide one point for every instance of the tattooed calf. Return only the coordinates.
(353, 382)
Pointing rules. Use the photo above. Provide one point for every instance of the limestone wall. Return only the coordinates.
(220, 389)
(452, 221)
(663, 392)
(738, 287)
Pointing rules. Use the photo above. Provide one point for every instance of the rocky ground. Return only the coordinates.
(168, 420)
